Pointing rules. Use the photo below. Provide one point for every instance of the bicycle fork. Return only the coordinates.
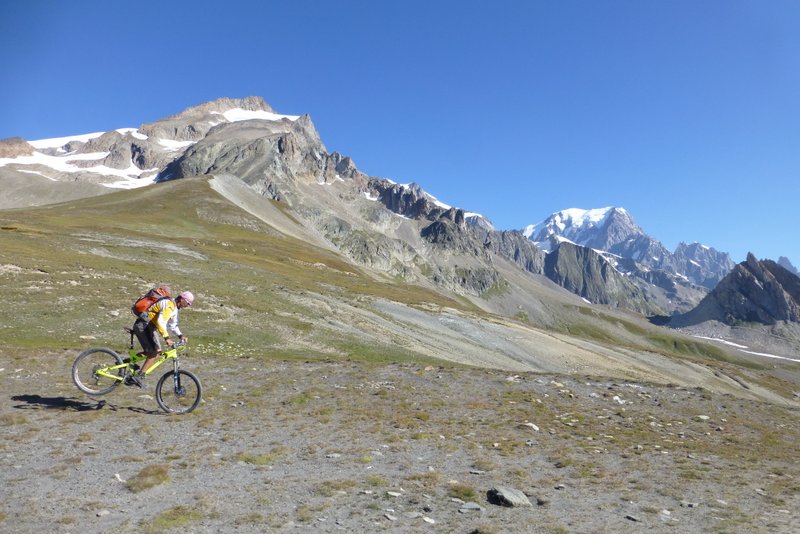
(176, 378)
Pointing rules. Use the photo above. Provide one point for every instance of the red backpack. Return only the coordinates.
(151, 297)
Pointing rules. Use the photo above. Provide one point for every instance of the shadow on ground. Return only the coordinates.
(37, 402)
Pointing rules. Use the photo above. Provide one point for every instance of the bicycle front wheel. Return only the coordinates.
(91, 369)
(179, 393)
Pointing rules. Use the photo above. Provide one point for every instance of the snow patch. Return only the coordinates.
(57, 142)
(134, 132)
(239, 114)
(63, 164)
(742, 347)
(173, 145)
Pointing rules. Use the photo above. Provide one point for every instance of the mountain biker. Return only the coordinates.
(160, 319)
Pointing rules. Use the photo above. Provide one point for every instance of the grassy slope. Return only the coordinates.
(75, 268)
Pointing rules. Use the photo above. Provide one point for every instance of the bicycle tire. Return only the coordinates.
(172, 401)
(89, 361)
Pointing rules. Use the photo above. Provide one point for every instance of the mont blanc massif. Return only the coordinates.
(276, 167)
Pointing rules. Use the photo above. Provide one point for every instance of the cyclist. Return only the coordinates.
(161, 319)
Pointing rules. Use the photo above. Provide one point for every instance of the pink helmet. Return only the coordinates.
(187, 297)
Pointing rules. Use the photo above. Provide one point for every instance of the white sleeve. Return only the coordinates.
(172, 324)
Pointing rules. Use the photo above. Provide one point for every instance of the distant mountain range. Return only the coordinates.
(400, 230)
(614, 233)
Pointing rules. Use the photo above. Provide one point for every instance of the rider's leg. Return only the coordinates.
(148, 337)
(151, 357)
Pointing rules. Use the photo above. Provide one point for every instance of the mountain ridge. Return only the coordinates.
(283, 158)
(613, 230)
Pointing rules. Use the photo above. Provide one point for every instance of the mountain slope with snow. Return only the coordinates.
(119, 159)
(613, 231)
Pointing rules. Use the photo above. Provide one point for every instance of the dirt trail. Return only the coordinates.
(341, 446)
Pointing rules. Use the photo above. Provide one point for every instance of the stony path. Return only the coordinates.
(300, 446)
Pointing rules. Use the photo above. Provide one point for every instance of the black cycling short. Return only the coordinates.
(147, 335)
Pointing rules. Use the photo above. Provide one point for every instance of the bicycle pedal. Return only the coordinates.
(133, 380)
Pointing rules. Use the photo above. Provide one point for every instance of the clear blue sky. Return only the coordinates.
(686, 113)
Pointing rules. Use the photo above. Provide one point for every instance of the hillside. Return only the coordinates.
(266, 291)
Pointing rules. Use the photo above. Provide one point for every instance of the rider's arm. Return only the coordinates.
(166, 311)
(172, 325)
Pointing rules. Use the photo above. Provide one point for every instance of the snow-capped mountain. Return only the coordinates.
(587, 228)
(612, 230)
(87, 164)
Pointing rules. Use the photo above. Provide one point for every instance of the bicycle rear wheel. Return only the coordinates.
(179, 393)
(86, 366)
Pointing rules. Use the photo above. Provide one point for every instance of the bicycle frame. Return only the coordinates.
(134, 357)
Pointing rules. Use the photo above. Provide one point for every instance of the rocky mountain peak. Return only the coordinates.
(221, 105)
(755, 291)
(195, 122)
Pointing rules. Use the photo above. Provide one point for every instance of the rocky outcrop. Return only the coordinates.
(516, 247)
(586, 273)
(701, 264)
(124, 150)
(268, 155)
(14, 147)
(450, 231)
(406, 200)
(754, 292)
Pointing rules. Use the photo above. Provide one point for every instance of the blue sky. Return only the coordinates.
(686, 113)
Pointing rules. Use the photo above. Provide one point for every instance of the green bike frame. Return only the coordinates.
(134, 357)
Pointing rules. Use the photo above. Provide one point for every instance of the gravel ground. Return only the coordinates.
(342, 446)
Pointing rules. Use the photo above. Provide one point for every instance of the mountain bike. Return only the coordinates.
(97, 371)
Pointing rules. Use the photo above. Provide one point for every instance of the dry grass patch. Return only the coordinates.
(377, 481)
(459, 490)
(484, 464)
(260, 459)
(428, 479)
(329, 488)
(177, 516)
(149, 477)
